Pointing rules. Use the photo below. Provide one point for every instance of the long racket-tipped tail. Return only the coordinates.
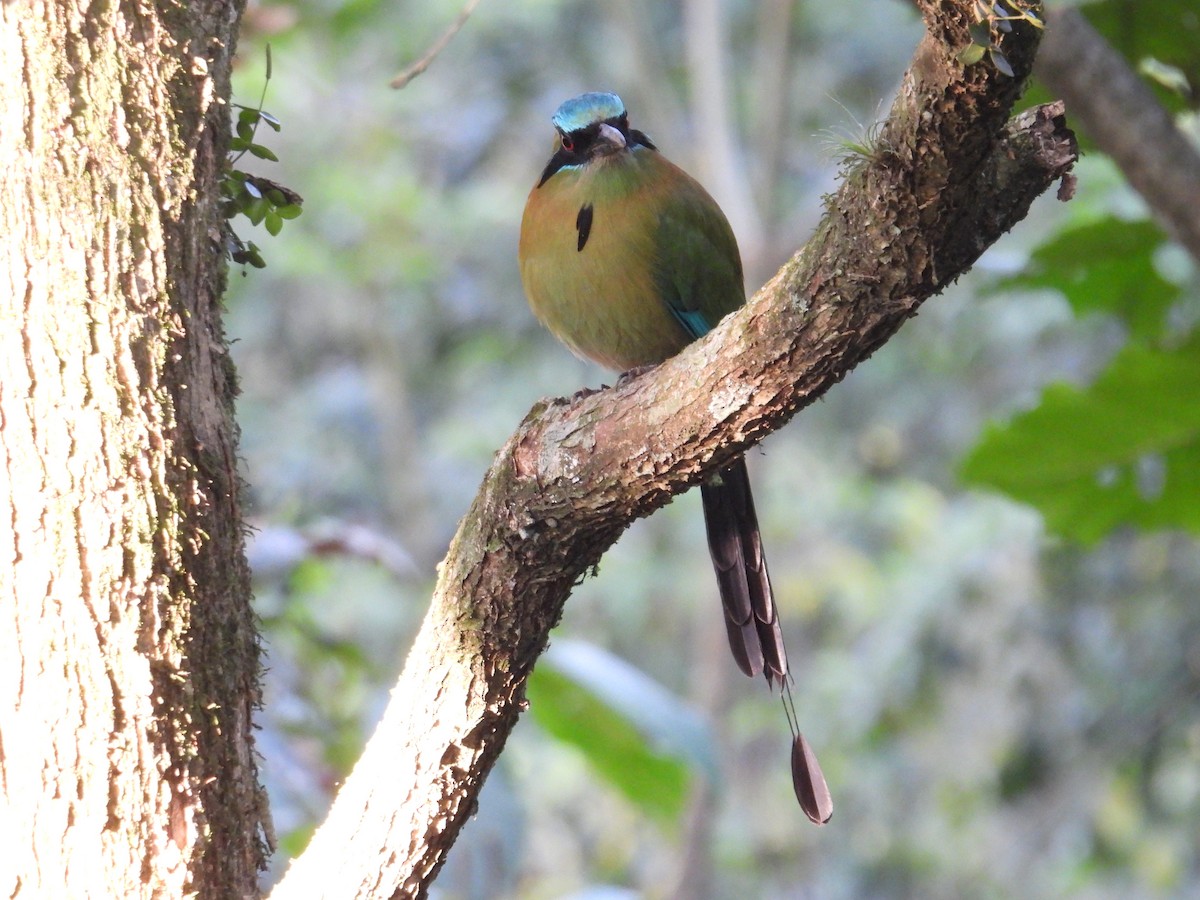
(751, 619)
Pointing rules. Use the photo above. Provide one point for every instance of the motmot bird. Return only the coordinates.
(626, 259)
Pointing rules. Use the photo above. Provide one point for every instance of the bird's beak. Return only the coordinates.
(611, 139)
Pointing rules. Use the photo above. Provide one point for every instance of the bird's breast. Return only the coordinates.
(588, 254)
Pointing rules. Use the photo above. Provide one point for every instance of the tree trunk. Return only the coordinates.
(128, 656)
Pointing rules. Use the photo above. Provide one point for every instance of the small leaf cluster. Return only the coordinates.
(993, 21)
(258, 199)
(247, 127)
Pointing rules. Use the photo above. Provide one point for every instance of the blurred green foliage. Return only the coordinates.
(998, 712)
(1166, 33)
(636, 734)
(1106, 266)
(1123, 451)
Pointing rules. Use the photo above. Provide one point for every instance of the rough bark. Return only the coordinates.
(948, 176)
(128, 658)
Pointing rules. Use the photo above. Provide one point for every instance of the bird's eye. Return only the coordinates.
(568, 143)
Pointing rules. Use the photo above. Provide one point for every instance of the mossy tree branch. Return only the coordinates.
(949, 174)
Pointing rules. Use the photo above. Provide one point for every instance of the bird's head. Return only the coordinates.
(591, 127)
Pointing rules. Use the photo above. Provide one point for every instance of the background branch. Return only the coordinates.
(1119, 111)
(408, 73)
(948, 177)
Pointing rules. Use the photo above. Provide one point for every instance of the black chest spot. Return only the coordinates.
(583, 224)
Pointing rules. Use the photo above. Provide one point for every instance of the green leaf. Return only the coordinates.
(981, 33)
(273, 222)
(238, 144)
(245, 131)
(1000, 61)
(290, 211)
(639, 737)
(1125, 451)
(1107, 266)
(1165, 75)
(262, 152)
(971, 54)
(246, 253)
(257, 210)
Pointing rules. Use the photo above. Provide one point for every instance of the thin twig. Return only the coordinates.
(439, 45)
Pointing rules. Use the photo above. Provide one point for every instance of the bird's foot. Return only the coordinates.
(633, 373)
(587, 392)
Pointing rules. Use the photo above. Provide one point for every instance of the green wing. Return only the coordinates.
(697, 270)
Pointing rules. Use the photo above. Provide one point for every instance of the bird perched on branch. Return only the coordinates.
(626, 259)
